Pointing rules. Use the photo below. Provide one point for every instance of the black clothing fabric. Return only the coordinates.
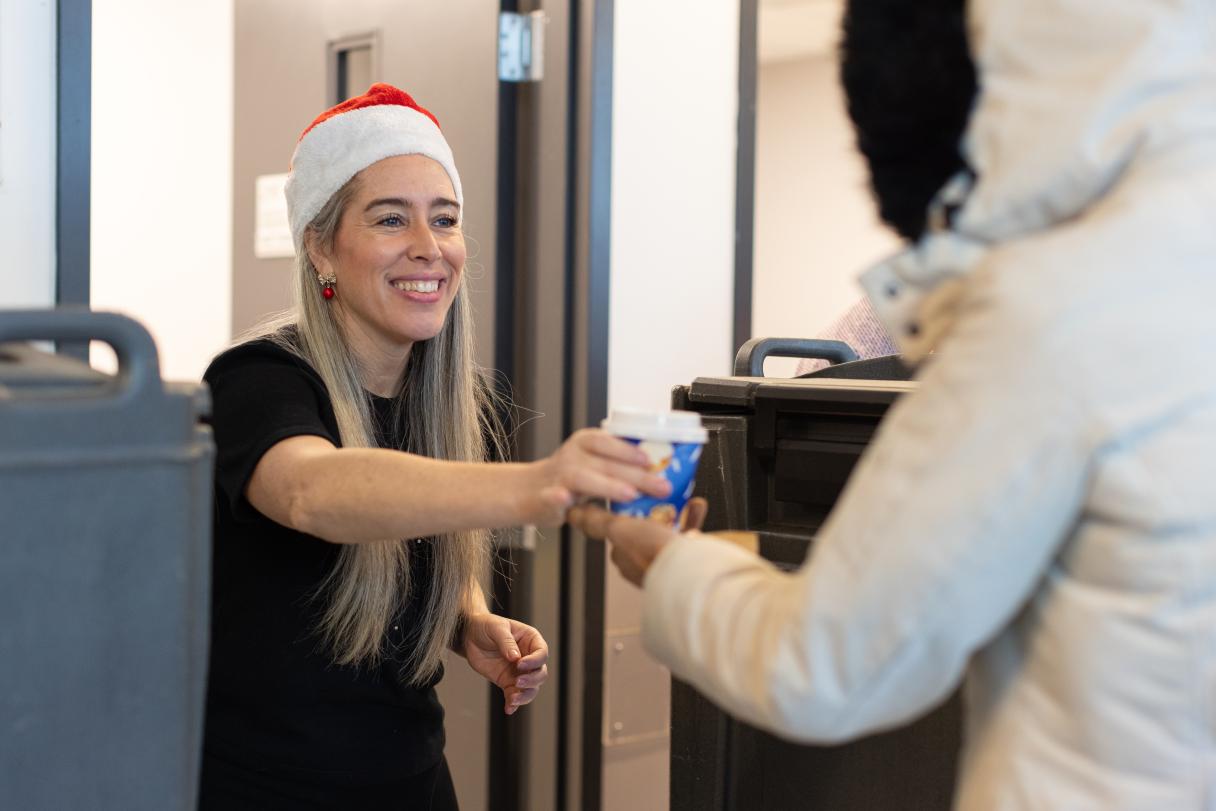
(227, 788)
(282, 719)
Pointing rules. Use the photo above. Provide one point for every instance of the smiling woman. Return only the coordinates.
(355, 490)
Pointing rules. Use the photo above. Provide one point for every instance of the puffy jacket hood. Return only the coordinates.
(1073, 93)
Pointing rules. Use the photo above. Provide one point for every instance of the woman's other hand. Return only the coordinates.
(510, 654)
(592, 464)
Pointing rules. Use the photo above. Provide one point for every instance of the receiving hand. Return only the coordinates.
(592, 464)
(510, 654)
(636, 542)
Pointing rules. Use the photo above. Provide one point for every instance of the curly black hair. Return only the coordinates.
(910, 85)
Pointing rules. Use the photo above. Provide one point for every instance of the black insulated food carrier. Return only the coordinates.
(105, 532)
(779, 454)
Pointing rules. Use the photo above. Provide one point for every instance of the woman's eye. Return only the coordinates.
(392, 220)
(446, 222)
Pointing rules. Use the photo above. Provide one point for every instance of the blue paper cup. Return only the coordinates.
(673, 441)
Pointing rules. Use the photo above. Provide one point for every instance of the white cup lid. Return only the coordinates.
(668, 426)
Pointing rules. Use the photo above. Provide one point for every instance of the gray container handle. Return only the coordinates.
(749, 362)
(138, 365)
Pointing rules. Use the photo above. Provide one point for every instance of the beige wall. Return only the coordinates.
(816, 226)
(444, 55)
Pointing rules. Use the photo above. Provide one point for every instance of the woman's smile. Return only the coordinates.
(420, 290)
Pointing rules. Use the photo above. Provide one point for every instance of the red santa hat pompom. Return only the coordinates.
(382, 123)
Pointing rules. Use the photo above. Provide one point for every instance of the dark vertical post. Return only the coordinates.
(598, 288)
(508, 744)
(745, 173)
(565, 664)
(510, 587)
(73, 108)
(507, 203)
(600, 213)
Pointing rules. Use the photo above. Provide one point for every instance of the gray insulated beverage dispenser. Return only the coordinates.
(105, 537)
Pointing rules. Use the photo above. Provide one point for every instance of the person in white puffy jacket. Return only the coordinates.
(1038, 519)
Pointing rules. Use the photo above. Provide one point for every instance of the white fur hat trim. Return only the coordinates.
(338, 148)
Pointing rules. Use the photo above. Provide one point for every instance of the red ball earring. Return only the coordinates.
(327, 285)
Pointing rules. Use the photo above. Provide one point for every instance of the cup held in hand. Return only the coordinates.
(672, 441)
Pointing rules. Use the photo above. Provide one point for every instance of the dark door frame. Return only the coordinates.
(551, 341)
(588, 285)
(73, 138)
(745, 171)
(588, 402)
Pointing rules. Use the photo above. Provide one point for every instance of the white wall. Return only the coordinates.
(816, 227)
(162, 173)
(673, 196)
(27, 153)
(674, 127)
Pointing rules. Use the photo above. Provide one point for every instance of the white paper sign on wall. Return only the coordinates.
(271, 233)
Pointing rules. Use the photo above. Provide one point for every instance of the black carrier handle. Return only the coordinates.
(138, 364)
(749, 362)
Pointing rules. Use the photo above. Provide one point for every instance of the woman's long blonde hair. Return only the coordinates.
(451, 414)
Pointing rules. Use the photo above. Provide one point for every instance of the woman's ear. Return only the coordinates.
(316, 254)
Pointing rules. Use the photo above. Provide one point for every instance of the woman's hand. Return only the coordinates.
(591, 464)
(509, 654)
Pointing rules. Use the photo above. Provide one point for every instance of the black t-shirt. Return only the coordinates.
(280, 713)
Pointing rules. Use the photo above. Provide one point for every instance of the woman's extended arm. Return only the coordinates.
(357, 495)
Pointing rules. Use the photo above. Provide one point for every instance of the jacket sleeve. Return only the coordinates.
(949, 521)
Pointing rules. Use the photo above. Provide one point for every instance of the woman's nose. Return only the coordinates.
(423, 245)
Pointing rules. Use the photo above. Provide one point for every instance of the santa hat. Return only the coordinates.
(344, 140)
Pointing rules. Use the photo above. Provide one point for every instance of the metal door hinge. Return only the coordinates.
(521, 46)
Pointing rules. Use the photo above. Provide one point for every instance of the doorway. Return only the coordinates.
(815, 226)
